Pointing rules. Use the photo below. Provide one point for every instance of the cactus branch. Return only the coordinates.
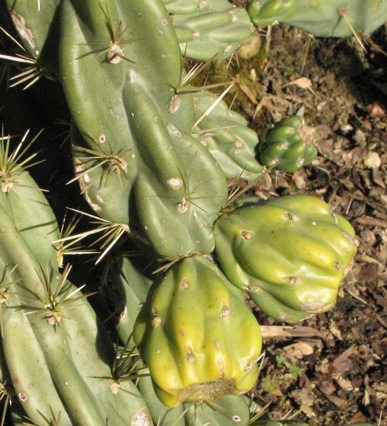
(111, 233)
(12, 165)
(32, 73)
(56, 301)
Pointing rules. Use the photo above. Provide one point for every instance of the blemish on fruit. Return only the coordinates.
(225, 312)
(190, 356)
(246, 235)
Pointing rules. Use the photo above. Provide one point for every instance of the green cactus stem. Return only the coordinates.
(338, 18)
(36, 23)
(266, 12)
(227, 136)
(207, 29)
(137, 164)
(47, 321)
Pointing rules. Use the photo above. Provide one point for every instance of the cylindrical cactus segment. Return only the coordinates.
(266, 12)
(162, 181)
(113, 43)
(18, 189)
(212, 29)
(198, 338)
(338, 18)
(225, 133)
(72, 351)
(292, 248)
(36, 26)
(180, 188)
(287, 145)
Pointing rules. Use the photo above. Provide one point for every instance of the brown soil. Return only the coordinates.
(332, 370)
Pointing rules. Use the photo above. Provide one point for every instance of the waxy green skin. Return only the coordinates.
(182, 6)
(266, 12)
(174, 191)
(323, 18)
(291, 249)
(127, 284)
(35, 22)
(227, 136)
(40, 223)
(130, 280)
(209, 29)
(71, 359)
(126, 109)
(93, 86)
(287, 145)
(196, 335)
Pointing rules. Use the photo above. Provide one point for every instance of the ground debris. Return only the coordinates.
(343, 367)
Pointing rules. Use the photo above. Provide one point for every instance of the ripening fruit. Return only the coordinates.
(291, 250)
(288, 145)
(197, 336)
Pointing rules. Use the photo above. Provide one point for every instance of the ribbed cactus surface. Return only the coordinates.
(196, 335)
(292, 250)
(152, 156)
(338, 18)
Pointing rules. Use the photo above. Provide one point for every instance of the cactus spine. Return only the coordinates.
(152, 157)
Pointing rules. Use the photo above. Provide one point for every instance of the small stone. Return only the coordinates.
(372, 161)
(250, 48)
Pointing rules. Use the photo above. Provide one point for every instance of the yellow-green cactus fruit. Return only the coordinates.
(290, 253)
(197, 336)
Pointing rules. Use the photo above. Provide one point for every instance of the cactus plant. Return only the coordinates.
(37, 25)
(209, 28)
(152, 156)
(266, 12)
(147, 147)
(338, 18)
(227, 136)
(50, 319)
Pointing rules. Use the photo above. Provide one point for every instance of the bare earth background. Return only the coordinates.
(331, 369)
